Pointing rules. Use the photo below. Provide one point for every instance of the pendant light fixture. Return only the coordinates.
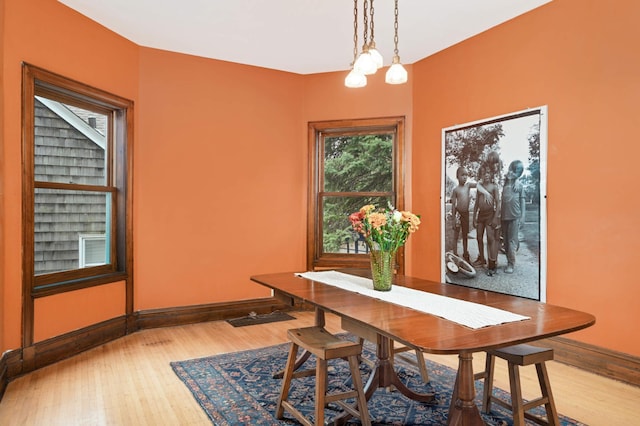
(370, 60)
(355, 78)
(365, 63)
(396, 74)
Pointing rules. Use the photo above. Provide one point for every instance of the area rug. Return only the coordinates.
(239, 389)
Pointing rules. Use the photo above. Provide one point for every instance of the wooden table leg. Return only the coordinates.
(387, 375)
(463, 410)
(319, 318)
(382, 373)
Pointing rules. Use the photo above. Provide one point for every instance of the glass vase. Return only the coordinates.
(382, 266)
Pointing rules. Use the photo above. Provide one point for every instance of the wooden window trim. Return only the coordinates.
(119, 185)
(315, 259)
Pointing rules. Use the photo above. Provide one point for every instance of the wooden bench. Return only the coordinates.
(516, 356)
(325, 347)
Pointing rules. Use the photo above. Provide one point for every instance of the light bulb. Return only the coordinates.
(355, 79)
(375, 55)
(365, 64)
(396, 74)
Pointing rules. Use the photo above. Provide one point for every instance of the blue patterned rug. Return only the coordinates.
(238, 389)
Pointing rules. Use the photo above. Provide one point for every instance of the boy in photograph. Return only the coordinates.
(460, 200)
(485, 217)
(512, 212)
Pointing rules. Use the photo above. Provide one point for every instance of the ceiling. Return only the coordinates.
(299, 36)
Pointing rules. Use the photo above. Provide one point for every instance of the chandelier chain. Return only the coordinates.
(395, 28)
(371, 21)
(365, 6)
(355, 31)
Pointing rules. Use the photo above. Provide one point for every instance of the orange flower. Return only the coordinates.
(377, 220)
(413, 220)
(356, 221)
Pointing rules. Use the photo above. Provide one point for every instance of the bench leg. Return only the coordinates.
(488, 382)
(321, 389)
(363, 410)
(545, 388)
(516, 395)
(286, 383)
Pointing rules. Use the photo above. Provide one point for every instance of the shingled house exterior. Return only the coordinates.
(70, 226)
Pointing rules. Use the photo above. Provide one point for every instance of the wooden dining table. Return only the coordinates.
(383, 323)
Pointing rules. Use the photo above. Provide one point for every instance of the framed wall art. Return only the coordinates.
(494, 204)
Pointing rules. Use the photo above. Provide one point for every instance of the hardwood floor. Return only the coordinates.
(129, 381)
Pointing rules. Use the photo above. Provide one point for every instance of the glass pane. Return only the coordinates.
(358, 163)
(60, 218)
(337, 234)
(69, 144)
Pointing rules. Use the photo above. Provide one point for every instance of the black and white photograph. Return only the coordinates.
(494, 204)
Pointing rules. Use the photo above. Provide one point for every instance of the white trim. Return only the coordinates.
(82, 248)
(67, 115)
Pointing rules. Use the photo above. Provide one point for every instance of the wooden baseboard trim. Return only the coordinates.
(597, 360)
(8, 359)
(25, 360)
(169, 317)
(21, 361)
(64, 346)
(3, 375)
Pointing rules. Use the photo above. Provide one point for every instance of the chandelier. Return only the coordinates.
(370, 60)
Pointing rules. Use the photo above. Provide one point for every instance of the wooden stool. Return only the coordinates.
(324, 346)
(520, 355)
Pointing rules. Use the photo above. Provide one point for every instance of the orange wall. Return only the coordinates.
(221, 172)
(220, 156)
(326, 98)
(49, 321)
(2, 206)
(219, 179)
(581, 59)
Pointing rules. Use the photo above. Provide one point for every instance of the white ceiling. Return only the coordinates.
(300, 36)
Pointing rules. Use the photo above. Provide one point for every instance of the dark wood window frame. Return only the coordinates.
(39, 82)
(316, 132)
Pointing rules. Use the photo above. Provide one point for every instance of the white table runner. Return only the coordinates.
(472, 315)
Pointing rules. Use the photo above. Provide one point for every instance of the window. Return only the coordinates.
(353, 163)
(76, 187)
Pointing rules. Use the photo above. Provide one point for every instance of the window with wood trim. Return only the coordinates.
(352, 163)
(76, 155)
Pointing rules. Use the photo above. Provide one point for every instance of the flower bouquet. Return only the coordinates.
(384, 231)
